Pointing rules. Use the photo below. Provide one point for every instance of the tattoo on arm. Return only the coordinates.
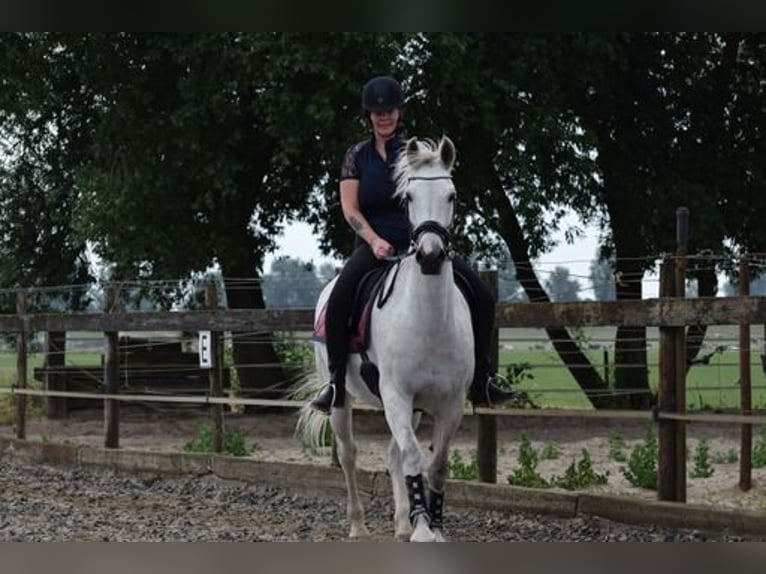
(355, 224)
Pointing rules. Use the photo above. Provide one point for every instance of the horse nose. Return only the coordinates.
(430, 257)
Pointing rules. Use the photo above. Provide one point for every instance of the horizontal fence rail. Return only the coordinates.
(639, 313)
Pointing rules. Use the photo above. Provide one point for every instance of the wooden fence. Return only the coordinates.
(669, 312)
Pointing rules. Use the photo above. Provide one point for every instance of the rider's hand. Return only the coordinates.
(381, 248)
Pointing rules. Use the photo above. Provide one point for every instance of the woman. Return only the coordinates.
(382, 230)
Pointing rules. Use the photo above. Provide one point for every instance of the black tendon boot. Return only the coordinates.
(485, 392)
(436, 509)
(417, 495)
(332, 395)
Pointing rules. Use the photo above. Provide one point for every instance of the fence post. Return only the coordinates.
(111, 375)
(746, 433)
(21, 368)
(682, 237)
(666, 402)
(486, 448)
(214, 374)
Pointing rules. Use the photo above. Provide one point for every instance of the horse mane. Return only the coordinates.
(427, 155)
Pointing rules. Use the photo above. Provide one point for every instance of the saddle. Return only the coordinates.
(372, 290)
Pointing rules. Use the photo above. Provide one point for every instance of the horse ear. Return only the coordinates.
(412, 149)
(447, 152)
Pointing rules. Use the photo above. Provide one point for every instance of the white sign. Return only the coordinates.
(205, 351)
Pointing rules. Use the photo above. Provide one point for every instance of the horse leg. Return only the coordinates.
(402, 526)
(400, 420)
(340, 419)
(445, 427)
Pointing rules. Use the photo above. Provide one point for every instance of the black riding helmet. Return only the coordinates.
(382, 93)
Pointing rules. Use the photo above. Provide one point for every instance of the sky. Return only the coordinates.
(298, 241)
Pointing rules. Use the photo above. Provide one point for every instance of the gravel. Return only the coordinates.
(46, 503)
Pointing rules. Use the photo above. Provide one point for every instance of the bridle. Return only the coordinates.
(431, 226)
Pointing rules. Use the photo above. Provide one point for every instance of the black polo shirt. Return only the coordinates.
(385, 214)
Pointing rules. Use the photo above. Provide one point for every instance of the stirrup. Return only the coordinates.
(491, 394)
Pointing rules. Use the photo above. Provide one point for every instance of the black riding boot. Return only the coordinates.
(484, 391)
(333, 394)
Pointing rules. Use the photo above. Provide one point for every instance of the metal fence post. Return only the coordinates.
(746, 432)
(21, 368)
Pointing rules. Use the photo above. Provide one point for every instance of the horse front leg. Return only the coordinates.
(341, 421)
(402, 526)
(445, 427)
(398, 411)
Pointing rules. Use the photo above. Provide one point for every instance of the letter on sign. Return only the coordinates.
(205, 352)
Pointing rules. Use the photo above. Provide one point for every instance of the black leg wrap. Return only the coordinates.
(436, 508)
(417, 495)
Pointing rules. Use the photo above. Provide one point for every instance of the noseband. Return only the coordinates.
(431, 226)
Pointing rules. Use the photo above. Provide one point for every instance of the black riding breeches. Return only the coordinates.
(482, 306)
(341, 302)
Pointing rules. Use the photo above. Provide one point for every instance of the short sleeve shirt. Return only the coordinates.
(384, 213)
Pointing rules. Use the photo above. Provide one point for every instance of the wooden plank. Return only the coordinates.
(666, 472)
(111, 378)
(211, 302)
(486, 440)
(746, 431)
(636, 313)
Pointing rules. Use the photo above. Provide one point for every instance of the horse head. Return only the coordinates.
(424, 184)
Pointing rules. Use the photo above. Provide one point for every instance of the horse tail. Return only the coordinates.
(313, 427)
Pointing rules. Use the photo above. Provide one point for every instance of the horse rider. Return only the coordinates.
(382, 230)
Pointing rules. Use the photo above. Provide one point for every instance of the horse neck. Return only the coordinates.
(432, 296)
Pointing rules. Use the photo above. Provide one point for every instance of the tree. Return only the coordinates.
(560, 285)
(291, 283)
(602, 279)
(195, 148)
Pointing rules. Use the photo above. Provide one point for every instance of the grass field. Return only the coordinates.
(548, 383)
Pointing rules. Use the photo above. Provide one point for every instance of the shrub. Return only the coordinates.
(526, 474)
(550, 452)
(728, 457)
(641, 470)
(233, 441)
(759, 450)
(617, 448)
(461, 470)
(580, 474)
(702, 467)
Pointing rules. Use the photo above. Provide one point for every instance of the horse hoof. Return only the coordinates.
(439, 536)
(423, 534)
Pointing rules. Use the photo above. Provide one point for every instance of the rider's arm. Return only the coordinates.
(349, 202)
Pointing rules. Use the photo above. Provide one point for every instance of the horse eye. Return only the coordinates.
(407, 198)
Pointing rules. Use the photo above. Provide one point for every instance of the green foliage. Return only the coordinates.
(461, 470)
(526, 473)
(617, 447)
(517, 373)
(702, 467)
(233, 441)
(641, 469)
(759, 450)
(729, 457)
(580, 474)
(549, 451)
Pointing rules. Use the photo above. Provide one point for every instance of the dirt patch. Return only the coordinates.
(270, 434)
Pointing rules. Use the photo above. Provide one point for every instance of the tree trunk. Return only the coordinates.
(258, 367)
(583, 371)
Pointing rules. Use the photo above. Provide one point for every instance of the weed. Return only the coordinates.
(617, 447)
(641, 469)
(233, 441)
(702, 467)
(526, 474)
(461, 470)
(550, 452)
(728, 457)
(759, 450)
(580, 474)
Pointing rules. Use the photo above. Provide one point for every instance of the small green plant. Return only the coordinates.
(728, 457)
(580, 474)
(759, 450)
(550, 452)
(617, 447)
(526, 474)
(702, 467)
(641, 469)
(461, 470)
(233, 441)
